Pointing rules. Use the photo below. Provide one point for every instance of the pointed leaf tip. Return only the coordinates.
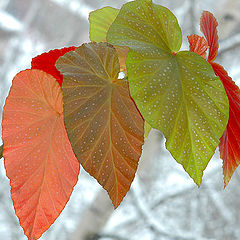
(229, 145)
(176, 92)
(38, 157)
(230, 141)
(103, 124)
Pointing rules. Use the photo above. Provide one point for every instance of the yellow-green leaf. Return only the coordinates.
(103, 124)
(142, 24)
(176, 92)
(147, 129)
(100, 21)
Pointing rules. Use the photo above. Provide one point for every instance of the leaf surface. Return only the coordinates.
(176, 93)
(100, 21)
(38, 157)
(198, 45)
(142, 24)
(147, 129)
(230, 142)
(46, 62)
(208, 26)
(103, 124)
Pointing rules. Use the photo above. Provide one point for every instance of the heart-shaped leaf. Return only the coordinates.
(230, 141)
(38, 157)
(177, 93)
(103, 124)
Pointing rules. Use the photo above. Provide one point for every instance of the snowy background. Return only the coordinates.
(163, 203)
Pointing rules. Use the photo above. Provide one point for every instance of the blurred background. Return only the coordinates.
(163, 203)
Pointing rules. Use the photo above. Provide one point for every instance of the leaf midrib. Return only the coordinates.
(186, 112)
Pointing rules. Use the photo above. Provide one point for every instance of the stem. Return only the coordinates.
(1, 151)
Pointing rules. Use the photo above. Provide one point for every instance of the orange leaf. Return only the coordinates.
(230, 142)
(198, 45)
(46, 62)
(208, 26)
(122, 56)
(103, 124)
(39, 160)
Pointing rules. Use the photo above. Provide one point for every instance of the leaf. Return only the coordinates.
(176, 93)
(39, 160)
(147, 129)
(198, 45)
(100, 21)
(230, 142)
(208, 25)
(142, 24)
(122, 56)
(46, 62)
(103, 124)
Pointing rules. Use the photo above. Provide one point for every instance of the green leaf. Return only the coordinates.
(103, 123)
(100, 21)
(176, 93)
(147, 129)
(142, 24)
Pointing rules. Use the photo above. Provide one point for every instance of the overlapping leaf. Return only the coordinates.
(103, 124)
(176, 93)
(46, 62)
(147, 129)
(198, 45)
(208, 26)
(230, 141)
(39, 160)
(100, 21)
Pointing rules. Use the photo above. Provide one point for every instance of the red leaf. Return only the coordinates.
(39, 160)
(208, 26)
(230, 142)
(46, 62)
(198, 45)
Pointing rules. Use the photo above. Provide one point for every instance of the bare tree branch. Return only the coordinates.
(97, 215)
(106, 235)
(146, 214)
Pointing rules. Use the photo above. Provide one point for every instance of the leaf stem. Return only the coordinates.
(1, 151)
